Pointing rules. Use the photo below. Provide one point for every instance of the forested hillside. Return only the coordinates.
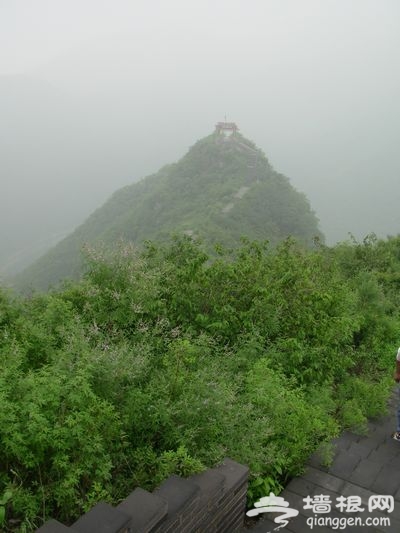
(221, 190)
(163, 361)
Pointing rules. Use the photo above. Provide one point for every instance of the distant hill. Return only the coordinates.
(58, 163)
(224, 188)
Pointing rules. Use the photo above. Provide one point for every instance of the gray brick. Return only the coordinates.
(394, 463)
(387, 481)
(350, 489)
(103, 518)
(324, 480)
(231, 522)
(237, 525)
(303, 487)
(182, 497)
(230, 504)
(397, 496)
(375, 440)
(346, 439)
(231, 495)
(172, 526)
(211, 485)
(385, 452)
(146, 510)
(52, 526)
(362, 448)
(235, 474)
(365, 473)
(344, 464)
(179, 493)
(197, 522)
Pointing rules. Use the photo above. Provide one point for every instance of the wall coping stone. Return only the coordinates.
(178, 492)
(146, 509)
(53, 526)
(102, 518)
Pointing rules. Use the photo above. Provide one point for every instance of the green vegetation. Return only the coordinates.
(163, 361)
(218, 192)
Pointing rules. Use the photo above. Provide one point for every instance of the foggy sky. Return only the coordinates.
(98, 94)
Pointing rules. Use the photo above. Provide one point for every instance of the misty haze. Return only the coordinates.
(95, 96)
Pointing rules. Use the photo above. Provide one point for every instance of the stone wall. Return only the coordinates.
(211, 502)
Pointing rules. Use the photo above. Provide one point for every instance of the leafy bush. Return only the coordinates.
(165, 361)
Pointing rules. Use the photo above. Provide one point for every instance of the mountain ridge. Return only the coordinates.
(222, 189)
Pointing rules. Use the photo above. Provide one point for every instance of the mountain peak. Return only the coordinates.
(223, 189)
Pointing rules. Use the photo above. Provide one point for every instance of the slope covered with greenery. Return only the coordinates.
(161, 361)
(219, 191)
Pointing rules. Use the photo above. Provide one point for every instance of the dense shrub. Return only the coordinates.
(164, 361)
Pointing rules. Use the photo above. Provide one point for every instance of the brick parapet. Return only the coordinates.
(213, 501)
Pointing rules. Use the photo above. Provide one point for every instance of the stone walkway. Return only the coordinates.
(363, 466)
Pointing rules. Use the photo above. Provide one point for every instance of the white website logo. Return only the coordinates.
(274, 504)
(321, 505)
